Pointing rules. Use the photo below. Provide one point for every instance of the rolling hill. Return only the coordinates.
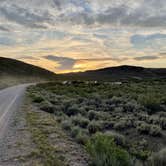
(119, 73)
(14, 72)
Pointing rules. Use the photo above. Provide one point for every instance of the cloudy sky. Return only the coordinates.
(78, 35)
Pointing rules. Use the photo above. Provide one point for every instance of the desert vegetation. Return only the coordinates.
(117, 124)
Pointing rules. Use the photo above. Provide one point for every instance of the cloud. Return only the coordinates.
(163, 54)
(81, 29)
(156, 40)
(4, 29)
(69, 63)
(142, 58)
(7, 41)
(64, 62)
(38, 13)
(28, 58)
(25, 17)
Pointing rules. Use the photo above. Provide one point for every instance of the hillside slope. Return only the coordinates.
(119, 73)
(14, 72)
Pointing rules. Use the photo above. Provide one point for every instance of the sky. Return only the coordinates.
(77, 35)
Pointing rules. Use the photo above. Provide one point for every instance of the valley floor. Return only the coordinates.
(80, 123)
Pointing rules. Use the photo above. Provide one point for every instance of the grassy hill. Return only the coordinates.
(15, 72)
(118, 73)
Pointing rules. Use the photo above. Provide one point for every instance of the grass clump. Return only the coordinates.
(105, 152)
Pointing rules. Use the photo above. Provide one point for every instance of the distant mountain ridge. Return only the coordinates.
(119, 73)
(18, 68)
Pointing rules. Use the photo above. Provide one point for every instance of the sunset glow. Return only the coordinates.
(78, 35)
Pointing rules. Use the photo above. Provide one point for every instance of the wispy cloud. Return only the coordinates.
(142, 58)
(3, 28)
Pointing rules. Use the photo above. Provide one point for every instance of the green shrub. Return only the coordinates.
(158, 159)
(140, 154)
(118, 109)
(47, 107)
(105, 152)
(122, 124)
(151, 102)
(143, 128)
(80, 121)
(75, 131)
(143, 117)
(155, 130)
(92, 115)
(163, 123)
(154, 119)
(94, 126)
(82, 138)
(70, 111)
(131, 106)
(118, 138)
(66, 125)
(116, 100)
(37, 99)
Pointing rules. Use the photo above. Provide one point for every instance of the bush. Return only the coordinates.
(143, 128)
(105, 152)
(70, 111)
(152, 130)
(75, 131)
(118, 138)
(47, 107)
(109, 124)
(154, 119)
(66, 125)
(92, 115)
(122, 124)
(158, 159)
(37, 99)
(116, 100)
(151, 102)
(94, 126)
(143, 117)
(81, 138)
(163, 123)
(155, 130)
(131, 106)
(80, 121)
(118, 109)
(140, 154)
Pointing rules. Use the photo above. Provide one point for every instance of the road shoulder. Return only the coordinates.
(35, 138)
